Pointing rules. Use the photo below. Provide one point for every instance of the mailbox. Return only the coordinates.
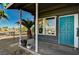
(78, 32)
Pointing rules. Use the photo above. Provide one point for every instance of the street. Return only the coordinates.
(10, 47)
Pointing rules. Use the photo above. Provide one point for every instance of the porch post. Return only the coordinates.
(20, 36)
(43, 26)
(36, 29)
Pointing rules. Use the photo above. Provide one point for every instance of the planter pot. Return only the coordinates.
(24, 43)
(29, 46)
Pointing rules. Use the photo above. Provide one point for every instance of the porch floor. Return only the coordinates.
(55, 49)
(48, 48)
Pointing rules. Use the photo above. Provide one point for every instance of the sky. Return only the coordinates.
(13, 17)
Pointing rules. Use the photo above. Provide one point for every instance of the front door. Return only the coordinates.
(66, 30)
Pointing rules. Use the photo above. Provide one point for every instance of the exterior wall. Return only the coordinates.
(74, 9)
(47, 38)
(50, 38)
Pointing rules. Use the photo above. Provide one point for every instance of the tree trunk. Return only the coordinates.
(29, 34)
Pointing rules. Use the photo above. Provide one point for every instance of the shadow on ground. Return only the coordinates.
(10, 47)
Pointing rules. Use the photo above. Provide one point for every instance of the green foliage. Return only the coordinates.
(27, 23)
(3, 15)
(24, 28)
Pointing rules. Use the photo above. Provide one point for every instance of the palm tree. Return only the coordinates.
(3, 15)
(28, 24)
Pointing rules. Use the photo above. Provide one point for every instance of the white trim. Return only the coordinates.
(75, 28)
(48, 17)
(67, 15)
(46, 34)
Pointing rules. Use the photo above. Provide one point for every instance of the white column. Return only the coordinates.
(43, 26)
(36, 29)
(20, 16)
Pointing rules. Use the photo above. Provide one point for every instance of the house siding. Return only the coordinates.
(47, 38)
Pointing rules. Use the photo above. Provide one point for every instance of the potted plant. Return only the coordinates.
(28, 24)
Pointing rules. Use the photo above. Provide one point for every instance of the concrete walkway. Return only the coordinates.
(9, 37)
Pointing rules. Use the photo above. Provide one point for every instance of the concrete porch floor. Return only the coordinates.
(47, 48)
(55, 49)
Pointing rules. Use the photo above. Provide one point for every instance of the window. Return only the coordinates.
(47, 26)
(50, 28)
(40, 26)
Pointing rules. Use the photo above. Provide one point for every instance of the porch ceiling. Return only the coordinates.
(30, 7)
(46, 8)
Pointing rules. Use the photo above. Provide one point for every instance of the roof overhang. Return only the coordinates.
(45, 9)
(30, 7)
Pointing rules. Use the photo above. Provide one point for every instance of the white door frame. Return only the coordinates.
(75, 28)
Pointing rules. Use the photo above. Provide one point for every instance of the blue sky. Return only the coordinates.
(13, 17)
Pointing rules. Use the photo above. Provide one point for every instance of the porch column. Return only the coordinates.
(36, 29)
(20, 36)
(43, 26)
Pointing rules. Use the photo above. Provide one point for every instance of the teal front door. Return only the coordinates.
(66, 30)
